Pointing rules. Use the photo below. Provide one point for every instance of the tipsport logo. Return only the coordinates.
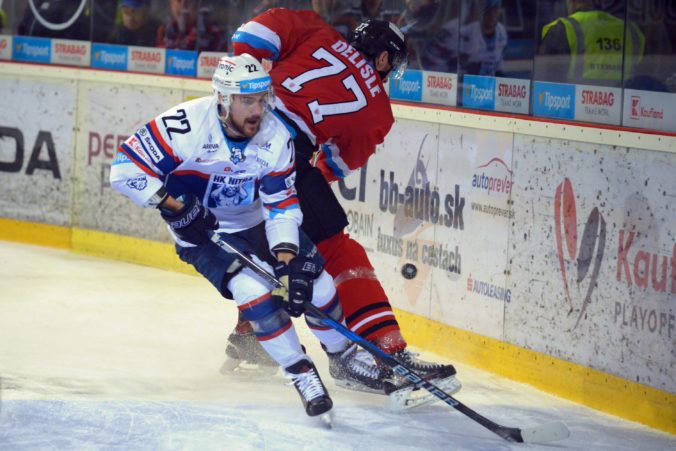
(257, 85)
(181, 62)
(554, 100)
(579, 257)
(31, 49)
(479, 92)
(106, 56)
(408, 87)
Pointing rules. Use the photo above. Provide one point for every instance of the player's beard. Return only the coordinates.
(247, 128)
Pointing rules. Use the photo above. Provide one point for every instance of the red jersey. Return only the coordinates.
(323, 84)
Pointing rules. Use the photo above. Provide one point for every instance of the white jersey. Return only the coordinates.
(485, 52)
(243, 182)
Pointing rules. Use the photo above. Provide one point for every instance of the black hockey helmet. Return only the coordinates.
(373, 36)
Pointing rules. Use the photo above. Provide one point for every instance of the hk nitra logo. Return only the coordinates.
(236, 155)
(139, 183)
(577, 257)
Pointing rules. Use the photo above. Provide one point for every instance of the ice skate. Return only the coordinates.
(356, 369)
(422, 367)
(246, 357)
(313, 394)
(405, 395)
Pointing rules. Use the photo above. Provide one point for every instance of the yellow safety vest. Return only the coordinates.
(596, 41)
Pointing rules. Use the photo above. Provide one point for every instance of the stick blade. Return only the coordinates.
(410, 398)
(545, 433)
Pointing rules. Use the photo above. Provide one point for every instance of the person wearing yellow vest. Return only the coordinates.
(589, 47)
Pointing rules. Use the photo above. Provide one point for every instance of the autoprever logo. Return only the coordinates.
(579, 257)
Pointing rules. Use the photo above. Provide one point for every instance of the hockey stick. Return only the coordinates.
(536, 434)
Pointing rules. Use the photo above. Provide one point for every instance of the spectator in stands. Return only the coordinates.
(190, 29)
(345, 15)
(138, 26)
(588, 47)
(483, 42)
(76, 17)
(3, 19)
(263, 6)
(51, 14)
(431, 28)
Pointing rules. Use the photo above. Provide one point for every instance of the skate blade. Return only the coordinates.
(240, 368)
(325, 420)
(411, 397)
(355, 386)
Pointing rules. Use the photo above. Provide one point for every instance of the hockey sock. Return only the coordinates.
(366, 307)
(326, 298)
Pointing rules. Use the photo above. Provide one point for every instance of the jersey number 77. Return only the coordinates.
(336, 66)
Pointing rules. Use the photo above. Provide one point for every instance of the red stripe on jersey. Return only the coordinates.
(313, 327)
(255, 302)
(280, 173)
(283, 204)
(275, 334)
(190, 172)
(139, 165)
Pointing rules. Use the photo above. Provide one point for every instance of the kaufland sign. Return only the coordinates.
(648, 109)
(5, 47)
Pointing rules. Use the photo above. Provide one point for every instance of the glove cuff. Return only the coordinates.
(158, 198)
(285, 247)
(187, 213)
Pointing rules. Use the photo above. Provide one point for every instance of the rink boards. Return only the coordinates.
(536, 254)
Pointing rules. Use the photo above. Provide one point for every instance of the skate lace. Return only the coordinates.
(412, 359)
(308, 384)
(361, 362)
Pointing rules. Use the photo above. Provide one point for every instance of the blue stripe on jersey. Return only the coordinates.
(136, 159)
(178, 184)
(166, 164)
(287, 125)
(272, 184)
(331, 163)
(265, 335)
(261, 310)
(256, 42)
(330, 308)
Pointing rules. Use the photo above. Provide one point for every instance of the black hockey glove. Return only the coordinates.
(191, 223)
(298, 276)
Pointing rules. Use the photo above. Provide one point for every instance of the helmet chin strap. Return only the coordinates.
(230, 128)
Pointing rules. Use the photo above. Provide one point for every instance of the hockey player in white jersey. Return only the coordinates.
(225, 164)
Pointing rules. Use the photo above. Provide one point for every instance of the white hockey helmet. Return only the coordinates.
(242, 74)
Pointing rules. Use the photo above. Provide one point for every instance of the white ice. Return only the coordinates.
(97, 354)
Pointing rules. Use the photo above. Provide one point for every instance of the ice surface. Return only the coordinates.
(96, 354)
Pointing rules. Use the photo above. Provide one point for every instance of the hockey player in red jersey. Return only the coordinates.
(330, 91)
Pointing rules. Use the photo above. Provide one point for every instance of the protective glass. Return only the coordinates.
(399, 65)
